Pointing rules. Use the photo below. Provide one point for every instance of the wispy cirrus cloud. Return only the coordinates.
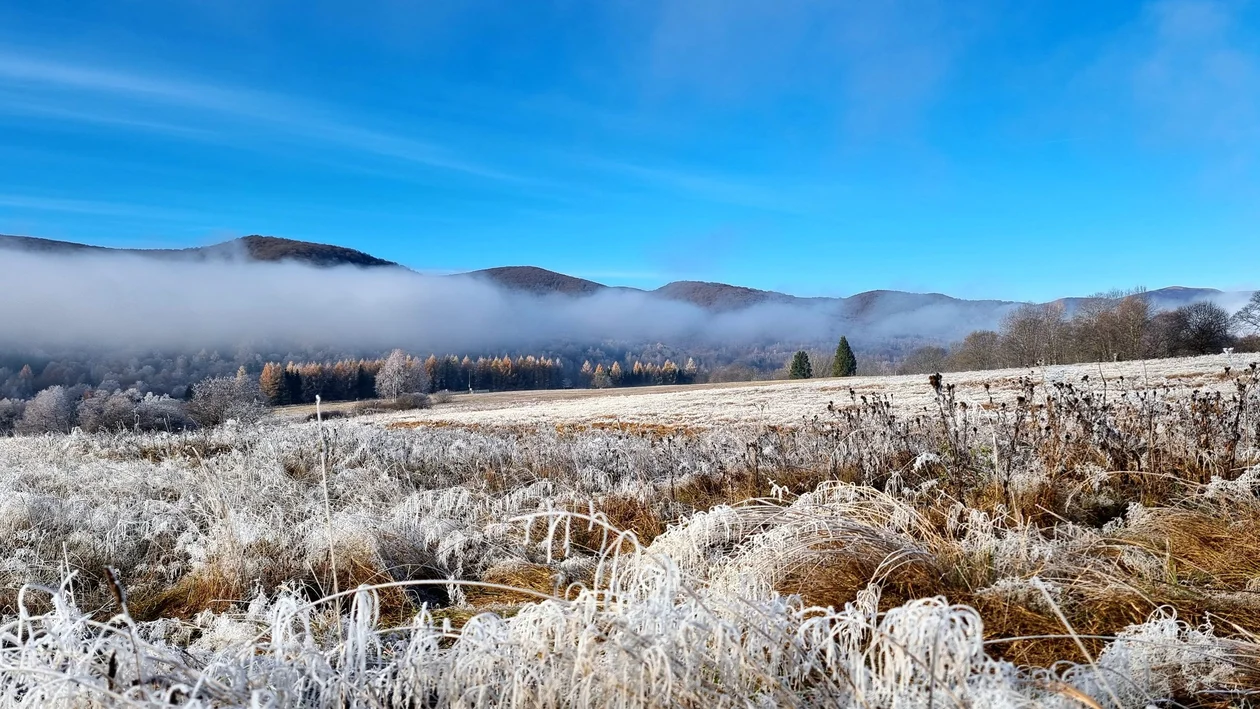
(1184, 74)
(876, 66)
(74, 91)
(1198, 72)
(97, 208)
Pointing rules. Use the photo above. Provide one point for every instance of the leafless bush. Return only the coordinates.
(221, 399)
(408, 402)
(10, 414)
(51, 411)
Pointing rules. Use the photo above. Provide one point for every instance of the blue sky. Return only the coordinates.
(1017, 150)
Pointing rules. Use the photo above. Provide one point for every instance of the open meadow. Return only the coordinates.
(1077, 536)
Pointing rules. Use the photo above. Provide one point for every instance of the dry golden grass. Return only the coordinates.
(519, 575)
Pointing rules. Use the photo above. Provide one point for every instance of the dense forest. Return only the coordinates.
(341, 375)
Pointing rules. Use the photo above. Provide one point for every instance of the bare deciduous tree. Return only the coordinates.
(1247, 319)
(400, 375)
(979, 350)
(1207, 328)
(51, 411)
(217, 400)
(1035, 333)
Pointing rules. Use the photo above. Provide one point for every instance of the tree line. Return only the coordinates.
(843, 363)
(1105, 328)
(301, 382)
(638, 374)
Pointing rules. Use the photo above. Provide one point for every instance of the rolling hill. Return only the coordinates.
(539, 281)
(870, 307)
(253, 248)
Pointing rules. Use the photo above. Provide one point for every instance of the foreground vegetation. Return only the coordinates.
(1082, 543)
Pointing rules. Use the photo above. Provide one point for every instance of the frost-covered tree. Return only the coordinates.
(400, 375)
(130, 410)
(217, 400)
(161, 413)
(10, 413)
(600, 379)
(104, 411)
(51, 411)
(669, 373)
(691, 371)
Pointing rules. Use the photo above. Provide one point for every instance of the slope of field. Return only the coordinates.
(788, 403)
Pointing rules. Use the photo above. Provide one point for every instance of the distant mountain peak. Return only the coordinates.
(274, 248)
(719, 296)
(255, 248)
(539, 281)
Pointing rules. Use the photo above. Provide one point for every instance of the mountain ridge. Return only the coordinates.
(716, 297)
(255, 247)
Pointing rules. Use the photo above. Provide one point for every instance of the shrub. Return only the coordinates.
(162, 413)
(10, 413)
(1247, 343)
(103, 411)
(51, 411)
(220, 399)
(409, 402)
(924, 360)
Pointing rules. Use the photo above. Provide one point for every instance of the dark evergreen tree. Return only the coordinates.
(845, 363)
(800, 368)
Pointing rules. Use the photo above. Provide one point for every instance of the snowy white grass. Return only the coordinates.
(787, 403)
(220, 547)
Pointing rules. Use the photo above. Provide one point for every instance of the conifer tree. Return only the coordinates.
(691, 371)
(845, 363)
(26, 379)
(800, 368)
(271, 382)
(292, 384)
(599, 379)
(669, 373)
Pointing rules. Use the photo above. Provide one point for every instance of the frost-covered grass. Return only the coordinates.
(786, 403)
(1063, 543)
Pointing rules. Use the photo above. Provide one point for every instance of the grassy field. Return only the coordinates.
(788, 403)
(1083, 536)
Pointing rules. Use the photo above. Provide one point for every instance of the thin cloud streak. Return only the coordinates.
(710, 187)
(104, 209)
(257, 107)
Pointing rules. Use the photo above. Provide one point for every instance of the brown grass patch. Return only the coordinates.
(533, 577)
(633, 428)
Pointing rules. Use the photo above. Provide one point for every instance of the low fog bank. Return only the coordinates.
(126, 301)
